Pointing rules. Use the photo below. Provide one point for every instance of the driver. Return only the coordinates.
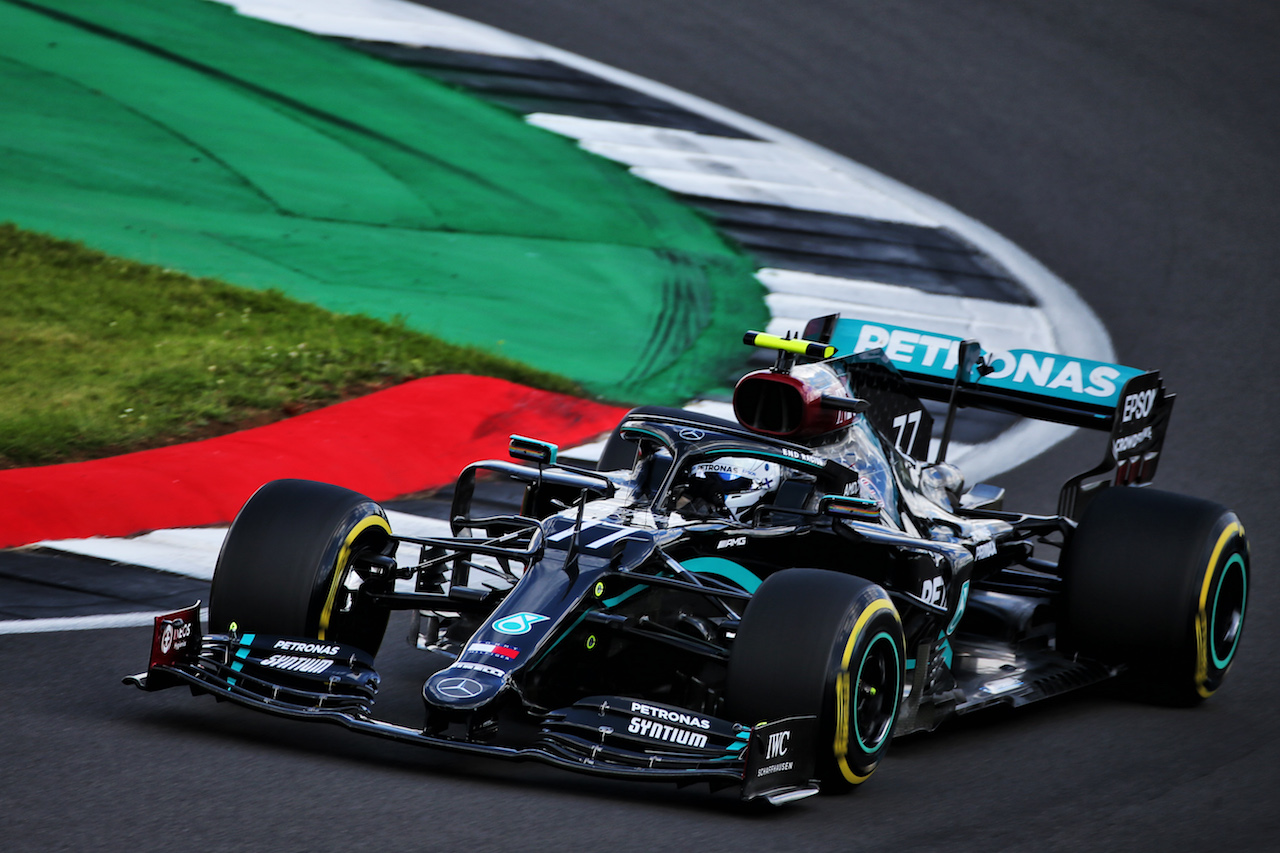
(728, 487)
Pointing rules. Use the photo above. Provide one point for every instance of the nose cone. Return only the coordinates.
(461, 688)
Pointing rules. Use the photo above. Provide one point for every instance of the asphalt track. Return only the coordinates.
(1131, 148)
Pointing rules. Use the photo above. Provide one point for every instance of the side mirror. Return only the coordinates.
(532, 450)
(849, 508)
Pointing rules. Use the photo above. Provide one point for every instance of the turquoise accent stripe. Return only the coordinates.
(241, 654)
(726, 569)
(857, 735)
(563, 634)
(964, 600)
(1236, 562)
(618, 599)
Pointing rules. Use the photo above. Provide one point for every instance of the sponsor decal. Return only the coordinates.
(661, 731)
(1138, 406)
(776, 746)
(459, 687)
(293, 663)
(985, 550)
(934, 591)
(174, 636)
(479, 667)
(310, 648)
(492, 649)
(938, 355)
(774, 768)
(671, 716)
(1121, 446)
(689, 434)
(732, 542)
(803, 457)
(519, 623)
(1002, 685)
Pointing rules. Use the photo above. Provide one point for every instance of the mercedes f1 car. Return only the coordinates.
(761, 604)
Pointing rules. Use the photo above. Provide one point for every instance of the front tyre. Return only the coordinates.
(829, 645)
(1158, 582)
(289, 565)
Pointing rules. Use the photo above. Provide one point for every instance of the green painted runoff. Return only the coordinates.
(178, 133)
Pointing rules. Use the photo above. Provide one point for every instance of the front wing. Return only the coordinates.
(609, 736)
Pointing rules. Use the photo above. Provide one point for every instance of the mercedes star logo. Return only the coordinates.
(689, 434)
(459, 688)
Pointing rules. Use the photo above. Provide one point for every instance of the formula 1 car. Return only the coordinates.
(761, 604)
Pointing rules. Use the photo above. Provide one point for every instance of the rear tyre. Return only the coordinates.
(1158, 582)
(286, 565)
(820, 643)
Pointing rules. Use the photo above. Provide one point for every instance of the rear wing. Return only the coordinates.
(1130, 404)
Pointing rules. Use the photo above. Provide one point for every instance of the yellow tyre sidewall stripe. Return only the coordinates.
(340, 565)
(1202, 616)
(843, 697)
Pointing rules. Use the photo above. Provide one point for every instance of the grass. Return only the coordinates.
(100, 355)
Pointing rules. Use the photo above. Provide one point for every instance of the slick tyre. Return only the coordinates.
(1158, 582)
(286, 564)
(820, 643)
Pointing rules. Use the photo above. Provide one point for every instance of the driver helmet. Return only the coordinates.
(733, 485)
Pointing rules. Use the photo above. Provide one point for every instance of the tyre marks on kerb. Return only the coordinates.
(830, 235)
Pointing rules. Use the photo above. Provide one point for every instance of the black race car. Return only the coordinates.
(761, 604)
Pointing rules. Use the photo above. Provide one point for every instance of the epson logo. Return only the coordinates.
(1121, 446)
(309, 648)
(733, 542)
(671, 716)
(1138, 406)
(293, 663)
(670, 734)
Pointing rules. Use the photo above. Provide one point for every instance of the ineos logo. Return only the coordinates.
(459, 688)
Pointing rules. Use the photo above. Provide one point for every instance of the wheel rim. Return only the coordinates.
(331, 611)
(1227, 616)
(876, 693)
